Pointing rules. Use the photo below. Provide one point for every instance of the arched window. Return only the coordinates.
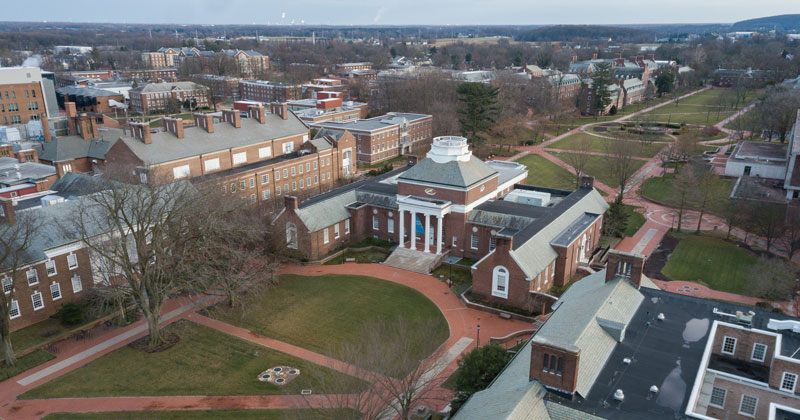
(545, 363)
(500, 282)
(560, 367)
(291, 236)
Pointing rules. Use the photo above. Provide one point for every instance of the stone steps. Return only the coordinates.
(411, 260)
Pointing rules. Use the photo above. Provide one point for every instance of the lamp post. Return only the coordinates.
(479, 335)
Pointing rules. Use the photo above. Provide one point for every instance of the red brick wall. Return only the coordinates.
(745, 339)
(568, 379)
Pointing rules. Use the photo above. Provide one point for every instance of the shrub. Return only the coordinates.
(613, 110)
(530, 143)
(70, 314)
(476, 370)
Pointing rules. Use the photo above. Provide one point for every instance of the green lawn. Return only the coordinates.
(37, 333)
(664, 190)
(598, 167)
(461, 276)
(362, 257)
(635, 220)
(698, 118)
(383, 162)
(182, 415)
(204, 362)
(29, 361)
(713, 262)
(600, 145)
(543, 173)
(320, 312)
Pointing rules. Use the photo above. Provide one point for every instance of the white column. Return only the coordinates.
(401, 215)
(413, 230)
(439, 220)
(427, 233)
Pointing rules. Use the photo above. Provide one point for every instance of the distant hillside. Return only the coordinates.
(781, 23)
(586, 32)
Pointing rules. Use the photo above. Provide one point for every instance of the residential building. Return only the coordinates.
(251, 63)
(84, 146)
(22, 96)
(222, 87)
(166, 57)
(344, 69)
(82, 77)
(90, 99)
(151, 75)
(633, 91)
(743, 77)
(154, 96)
(565, 87)
(387, 136)
(266, 91)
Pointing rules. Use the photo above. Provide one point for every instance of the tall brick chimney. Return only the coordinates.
(48, 137)
(232, 116)
(70, 109)
(141, 131)
(587, 181)
(594, 56)
(281, 109)
(258, 113)
(87, 128)
(574, 59)
(290, 202)
(625, 264)
(174, 126)
(7, 210)
(204, 120)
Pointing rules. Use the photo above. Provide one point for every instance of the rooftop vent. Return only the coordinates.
(661, 316)
(626, 360)
(654, 389)
(619, 395)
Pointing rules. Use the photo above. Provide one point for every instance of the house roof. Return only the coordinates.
(13, 172)
(454, 173)
(168, 87)
(85, 91)
(166, 147)
(75, 147)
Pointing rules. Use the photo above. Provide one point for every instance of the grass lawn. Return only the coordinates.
(598, 167)
(713, 262)
(698, 118)
(600, 145)
(320, 312)
(543, 173)
(362, 257)
(450, 382)
(382, 163)
(181, 415)
(29, 361)
(461, 276)
(37, 333)
(664, 190)
(204, 362)
(635, 220)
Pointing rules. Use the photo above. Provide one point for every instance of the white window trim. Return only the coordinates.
(755, 410)
(41, 299)
(7, 281)
(239, 158)
(14, 304)
(794, 385)
(69, 264)
(347, 226)
(724, 339)
(474, 241)
(80, 284)
(764, 355)
(325, 236)
(724, 397)
(55, 286)
(500, 293)
(211, 164)
(390, 226)
(265, 152)
(180, 172)
(376, 223)
(47, 270)
(455, 241)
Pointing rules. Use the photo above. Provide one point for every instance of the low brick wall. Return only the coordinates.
(342, 251)
(495, 311)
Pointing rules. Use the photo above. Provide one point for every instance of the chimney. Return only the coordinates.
(594, 56)
(258, 113)
(29, 155)
(290, 202)
(141, 131)
(503, 243)
(624, 264)
(574, 59)
(7, 210)
(587, 181)
(232, 116)
(174, 126)
(619, 56)
(204, 120)
(281, 109)
(48, 137)
(69, 107)
(651, 57)
(87, 128)
(6, 150)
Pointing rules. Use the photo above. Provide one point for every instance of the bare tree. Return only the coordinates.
(17, 232)
(580, 158)
(776, 279)
(791, 235)
(621, 163)
(767, 221)
(707, 192)
(684, 183)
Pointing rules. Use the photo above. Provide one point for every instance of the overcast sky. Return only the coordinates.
(408, 12)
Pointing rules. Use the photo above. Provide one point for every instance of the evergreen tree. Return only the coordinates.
(601, 78)
(664, 82)
(479, 109)
(476, 371)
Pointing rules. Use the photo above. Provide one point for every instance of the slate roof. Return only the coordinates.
(75, 147)
(166, 147)
(168, 87)
(454, 173)
(85, 91)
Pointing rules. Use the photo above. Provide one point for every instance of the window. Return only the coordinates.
(33, 276)
(748, 405)
(728, 345)
(13, 311)
(265, 179)
(788, 382)
(718, 397)
(224, 189)
(252, 198)
(315, 164)
(50, 266)
(55, 291)
(336, 231)
(77, 286)
(252, 182)
(302, 183)
(545, 362)
(264, 152)
(308, 181)
(265, 195)
(300, 168)
(288, 147)
(294, 185)
(759, 351)
(492, 243)
(390, 226)
(278, 190)
(38, 303)
(291, 236)
(293, 171)
(455, 241)
(180, 172)
(233, 187)
(375, 223)
(286, 173)
(325, 238)
(308, 167)
(241, 185)
(277, 175)
(316, 179)
(473, 242)
(240, 157)
(347, 227)
(72, 261)
(560, 366)
(500, 282)
(8, 284)
(286, 188)
(212, 164)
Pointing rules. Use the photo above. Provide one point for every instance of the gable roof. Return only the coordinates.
(76, 147)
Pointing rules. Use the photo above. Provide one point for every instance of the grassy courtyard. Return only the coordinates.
(635, 220)
(599, 167)
(665, 190)
(543, 173)
(24, 363)
(203, 362)
(185, 415)
(711, 261)
(601, 145)
(318, 313)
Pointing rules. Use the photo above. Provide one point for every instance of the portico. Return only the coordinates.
(425, 209)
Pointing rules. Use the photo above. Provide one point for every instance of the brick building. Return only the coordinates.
(343, 69)
(328, 98)
(151, 75)
(89, 99)
(154, 96)
(84, 146)
(223, 87)
(166, 57)
(22, 175)
(82, 77)
(21, 95)
(387, 136)
(327, 107)
(251, 63)
(266, 91)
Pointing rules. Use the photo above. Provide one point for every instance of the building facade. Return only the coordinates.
(21, 95)
(155, 96)
(266, 91)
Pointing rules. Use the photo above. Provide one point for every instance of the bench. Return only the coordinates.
(352, 260)
(505, 315)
